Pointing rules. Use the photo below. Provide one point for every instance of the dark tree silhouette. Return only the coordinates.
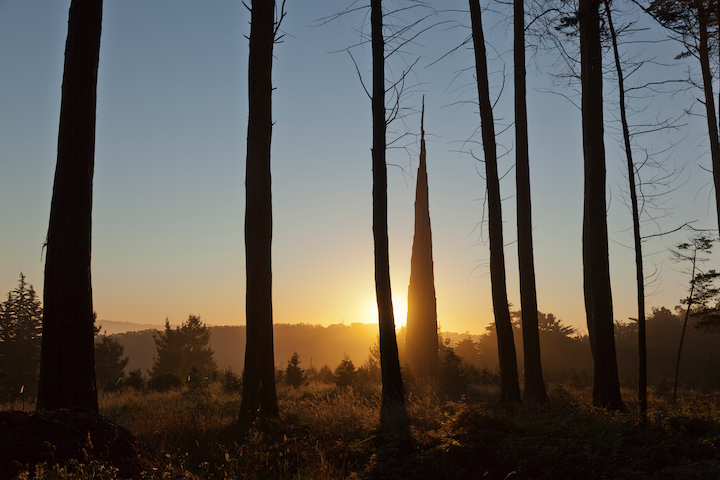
(110, 363)
(689, 22)
(393, 398)
(20, 332)
(596, 268)
(67, 365)
(639, 275)
(509, 386)
(534, 384)
(421, 341)
(259, 396)
(294, 375)
(692, 252)
(184, 349)
(345, 373)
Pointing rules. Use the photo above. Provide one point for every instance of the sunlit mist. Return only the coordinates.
(399, 311)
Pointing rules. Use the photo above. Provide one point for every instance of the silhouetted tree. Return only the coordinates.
(370, 370)
(421, 341)
(67, 365)
(294, 375)
(135, 379)
(345, 373)
(325, 375)
(109, 362)
(596, 268)
(20, 332)
(509, 386)
(393, 398)
(467, 349)
(452, 375)
(639, 276)
(534, 384)
(689, 21)
(184, 348)
(259, 395)
(692, 252)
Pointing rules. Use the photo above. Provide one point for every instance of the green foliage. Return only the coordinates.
(20, 335)
(294, 375)
(345, 373)
(109, 363)
(181, 349)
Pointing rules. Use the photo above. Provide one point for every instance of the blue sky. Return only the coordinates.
(169, 175)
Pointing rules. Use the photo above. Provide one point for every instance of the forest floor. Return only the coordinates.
(327, 433)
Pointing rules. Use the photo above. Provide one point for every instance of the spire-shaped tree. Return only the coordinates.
(421, 341)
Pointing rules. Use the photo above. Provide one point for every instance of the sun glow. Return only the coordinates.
(399, 311)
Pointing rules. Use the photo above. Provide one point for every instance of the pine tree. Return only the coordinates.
(345, 373)
(109, 363)
(183, 348)
(294, 375)
(20, 334)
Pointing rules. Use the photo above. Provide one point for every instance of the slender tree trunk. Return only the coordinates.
(534, 384)
(509, 386)
(606, 388)
(421, 341)
(639, 276)
(687, 316)
(67, 365)
(259, 396)
(712, 121)
(393, 398)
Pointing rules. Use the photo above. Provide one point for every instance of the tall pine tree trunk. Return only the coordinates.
(639, 275)
(421, 344)
(67, 364)
(259, 395)
(393, 398)
(509, 386)
(704, 53)
(596, 267)
(534, 384)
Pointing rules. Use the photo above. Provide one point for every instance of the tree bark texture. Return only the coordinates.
(67, 365)
(259, 396)
(421, 344)
(509, 386)
(393, 399)
(534, 383)
(596, 267)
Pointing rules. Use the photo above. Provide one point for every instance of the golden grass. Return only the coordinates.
(329, 433)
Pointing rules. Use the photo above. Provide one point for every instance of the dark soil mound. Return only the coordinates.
(28, 439)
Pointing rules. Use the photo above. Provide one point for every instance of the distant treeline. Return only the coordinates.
(565, 354)
(314, 343)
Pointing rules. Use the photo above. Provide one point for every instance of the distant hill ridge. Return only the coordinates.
(315, 344)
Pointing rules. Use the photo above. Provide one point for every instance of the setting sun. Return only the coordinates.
(399, 311)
